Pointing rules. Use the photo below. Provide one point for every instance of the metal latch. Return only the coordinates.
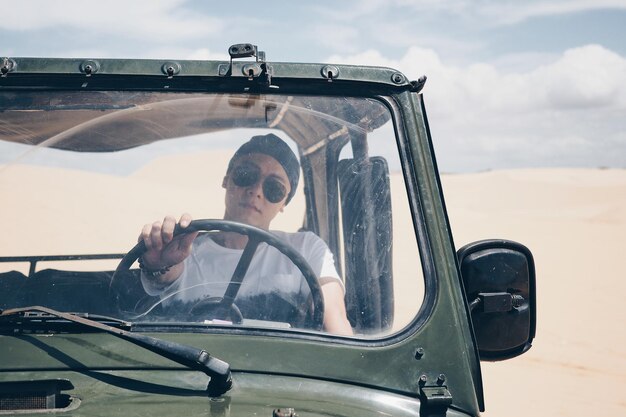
(257, 69)
(435, 399)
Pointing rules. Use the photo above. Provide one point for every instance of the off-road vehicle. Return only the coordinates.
(93, 149)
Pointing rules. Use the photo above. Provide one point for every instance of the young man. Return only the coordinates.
(261, 179)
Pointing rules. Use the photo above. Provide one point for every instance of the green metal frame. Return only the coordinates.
(436, 350)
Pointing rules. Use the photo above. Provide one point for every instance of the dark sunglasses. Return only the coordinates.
(248, 175)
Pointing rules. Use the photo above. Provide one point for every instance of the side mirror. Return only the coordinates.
(499, 282)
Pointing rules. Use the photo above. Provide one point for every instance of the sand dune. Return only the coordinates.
(574, 221)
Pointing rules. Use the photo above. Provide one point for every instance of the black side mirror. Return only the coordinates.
(499, 282)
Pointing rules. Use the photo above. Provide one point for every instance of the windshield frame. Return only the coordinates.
(394, 98)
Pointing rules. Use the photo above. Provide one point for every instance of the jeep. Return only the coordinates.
(93, 149)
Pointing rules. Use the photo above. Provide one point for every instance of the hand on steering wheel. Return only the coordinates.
(255, 236)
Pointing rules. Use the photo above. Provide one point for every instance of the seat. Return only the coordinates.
(69, 291)
(10, 289)
(367, 234)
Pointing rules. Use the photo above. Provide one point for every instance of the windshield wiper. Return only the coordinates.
(33, 316)
(193, 358)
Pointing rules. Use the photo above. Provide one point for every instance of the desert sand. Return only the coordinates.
(573, 220)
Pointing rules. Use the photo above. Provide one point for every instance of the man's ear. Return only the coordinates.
(225, 181)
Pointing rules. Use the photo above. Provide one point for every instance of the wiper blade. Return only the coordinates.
(37, 315)
(197, 359)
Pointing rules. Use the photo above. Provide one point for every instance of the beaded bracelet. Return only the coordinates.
(153, 273)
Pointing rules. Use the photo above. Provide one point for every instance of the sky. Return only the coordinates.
(511, 84)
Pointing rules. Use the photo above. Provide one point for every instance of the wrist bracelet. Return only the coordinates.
(151, 272)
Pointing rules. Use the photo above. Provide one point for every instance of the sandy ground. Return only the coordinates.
(574, 221)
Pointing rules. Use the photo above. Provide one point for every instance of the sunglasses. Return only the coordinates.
(248, 175)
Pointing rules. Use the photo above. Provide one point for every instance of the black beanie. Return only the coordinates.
(275, 147)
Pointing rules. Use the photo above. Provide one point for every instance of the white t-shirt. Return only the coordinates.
(272, 285)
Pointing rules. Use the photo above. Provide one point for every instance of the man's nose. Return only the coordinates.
(256, 189)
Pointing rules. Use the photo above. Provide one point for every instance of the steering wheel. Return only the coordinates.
(255, 237)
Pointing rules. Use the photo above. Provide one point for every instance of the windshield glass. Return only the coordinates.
(86, 175)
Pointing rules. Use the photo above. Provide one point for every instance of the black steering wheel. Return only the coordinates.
(225, 305)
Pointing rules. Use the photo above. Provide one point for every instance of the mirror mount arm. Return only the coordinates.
(497, 302)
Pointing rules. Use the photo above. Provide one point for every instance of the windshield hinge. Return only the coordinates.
(435, 399)
(255, 70)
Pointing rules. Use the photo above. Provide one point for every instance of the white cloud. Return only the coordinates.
(523, 61)
(139, 19)
(586, 77)
(206, 54)
(487, 12)
(336, 37)
(559, 113)
(181, 52)
(349, 11)
(510, 12)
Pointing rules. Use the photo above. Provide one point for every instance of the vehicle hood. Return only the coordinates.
(166, 392)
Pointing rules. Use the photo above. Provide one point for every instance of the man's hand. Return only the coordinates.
(163, 249)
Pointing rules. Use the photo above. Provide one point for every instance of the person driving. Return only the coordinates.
(260, 181)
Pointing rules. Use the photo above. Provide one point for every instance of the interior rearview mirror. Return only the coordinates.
(499, 283)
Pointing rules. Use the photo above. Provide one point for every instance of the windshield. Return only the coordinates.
(297, 209)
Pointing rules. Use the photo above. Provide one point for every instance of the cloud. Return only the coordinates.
(563, 113)
(512, 12)
(586, 77)
(499, 11)
(336, 37)
(181, 52)
(138, 19)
